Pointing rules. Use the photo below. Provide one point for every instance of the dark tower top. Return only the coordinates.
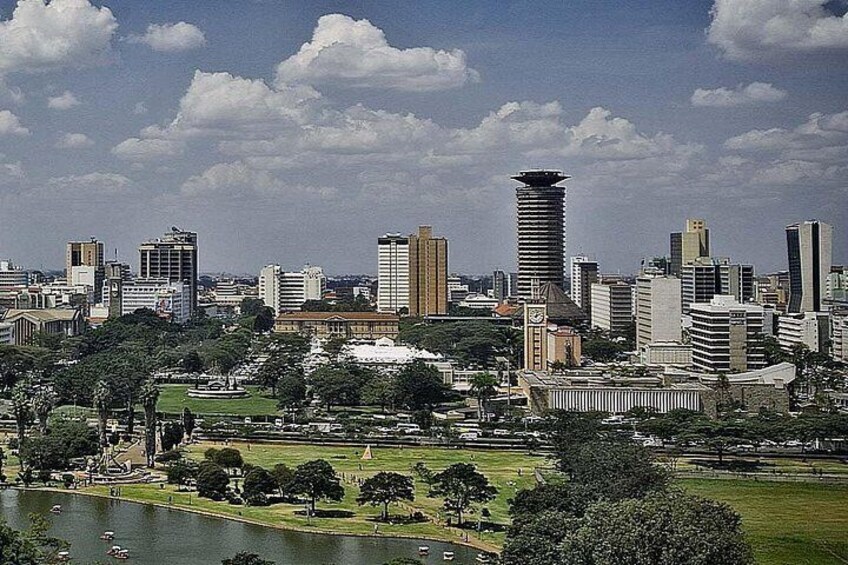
(540, 178)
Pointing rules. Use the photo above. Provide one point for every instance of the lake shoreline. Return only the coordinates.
(471, 543)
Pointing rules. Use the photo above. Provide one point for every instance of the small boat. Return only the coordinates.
(108, 536)
(448, 555)
(123, 554)
(114, 550)
(423, 550)
(57, 509)
(483, 558)
(63, 556)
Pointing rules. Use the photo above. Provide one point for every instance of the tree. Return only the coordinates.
(31, 547)
(616, 470)
(385, 488)
(180, 472)
(251, 306)
(283, 475)
(380, 391)
(43, 401)
(264, 320)
(245, 558)
(679, 528)
(149, 396)
(291, 392)
(65, 440)
(212, 481)
(603, 350)
(461, 485)
(192, 363)
(483, 386)
(569, 431)
(420, 386)
(189, 422)
(338, 384)
(22, 408)
(172, 435)
(317, 480)
(258, 483)
(229, 458)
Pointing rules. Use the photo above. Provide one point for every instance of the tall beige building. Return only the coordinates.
(428, 273)
(689, 245)
(88, 254)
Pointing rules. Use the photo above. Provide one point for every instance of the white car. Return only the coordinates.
(469, 436)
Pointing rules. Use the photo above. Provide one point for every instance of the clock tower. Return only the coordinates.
(535, 336)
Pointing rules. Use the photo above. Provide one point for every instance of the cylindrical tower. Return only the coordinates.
(541, 229)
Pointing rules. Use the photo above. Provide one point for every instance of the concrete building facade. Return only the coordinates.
(392, 273)
(428, 273)
(688, 245)
(612, 306)
(726, 336)
(584, 273)
(658, 309)
(810, 329)
(172, 257)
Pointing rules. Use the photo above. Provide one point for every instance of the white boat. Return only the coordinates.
(108, 536)
(57, 509)
(448, 555)
(483, 558)
(123, 554)
(63, 556)
(423, 550)
(114, 550)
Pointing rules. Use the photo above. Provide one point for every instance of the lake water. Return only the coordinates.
(161, 536)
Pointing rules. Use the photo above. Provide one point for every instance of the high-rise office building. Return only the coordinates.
(810, 329)
(287, 291)
(726, 336)
(704, 278)
(688, 245)
(584, 273)
(12, 276)
(172, 257)
(658, 309)
(84, 265)
(392, 273)
(612, 306)
(541, 229)
(809, 247)
(428, 273)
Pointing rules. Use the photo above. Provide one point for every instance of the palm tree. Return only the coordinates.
(149, 396)
(102, 399)
(43, 402)
(22, 408)
(483, 387)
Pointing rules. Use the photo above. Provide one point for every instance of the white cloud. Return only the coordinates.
(11, 172)
(742, 95)
(63, 33)
(74, 141)
(10, 124)
(91, 184)
(180, 36)
(758, 29)
(64, 101)
(356, 53)
(817, 137)
(138, 150)
(239, 179)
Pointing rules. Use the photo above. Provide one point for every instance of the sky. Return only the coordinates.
(299, 132)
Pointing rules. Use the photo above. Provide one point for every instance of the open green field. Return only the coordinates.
(173, 399)
(786, 523)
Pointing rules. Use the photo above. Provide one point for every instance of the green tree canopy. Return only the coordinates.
(460, 486)
(316, 480)
(384, 488)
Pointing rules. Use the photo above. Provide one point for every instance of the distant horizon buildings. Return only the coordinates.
(809, 247)
(540, 211)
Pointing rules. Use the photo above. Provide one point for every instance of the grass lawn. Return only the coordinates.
(786, 523)
(173, 399)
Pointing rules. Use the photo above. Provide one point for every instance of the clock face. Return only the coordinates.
(536, 316)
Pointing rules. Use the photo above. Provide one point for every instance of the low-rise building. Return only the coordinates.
(564, 346)
(670, 353)
(349, 325)
(168, 299)
(7, 333)
(28, 323)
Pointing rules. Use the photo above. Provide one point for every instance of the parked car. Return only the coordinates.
(469, 436)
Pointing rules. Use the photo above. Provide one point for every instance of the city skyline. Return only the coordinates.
(171, 115)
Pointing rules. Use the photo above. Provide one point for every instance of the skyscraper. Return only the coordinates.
(172, 257)
(392, 273)
(657, 309)
(809, 247)
(584, 273)
(541, 229)
(689, 245)
(428, 273)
